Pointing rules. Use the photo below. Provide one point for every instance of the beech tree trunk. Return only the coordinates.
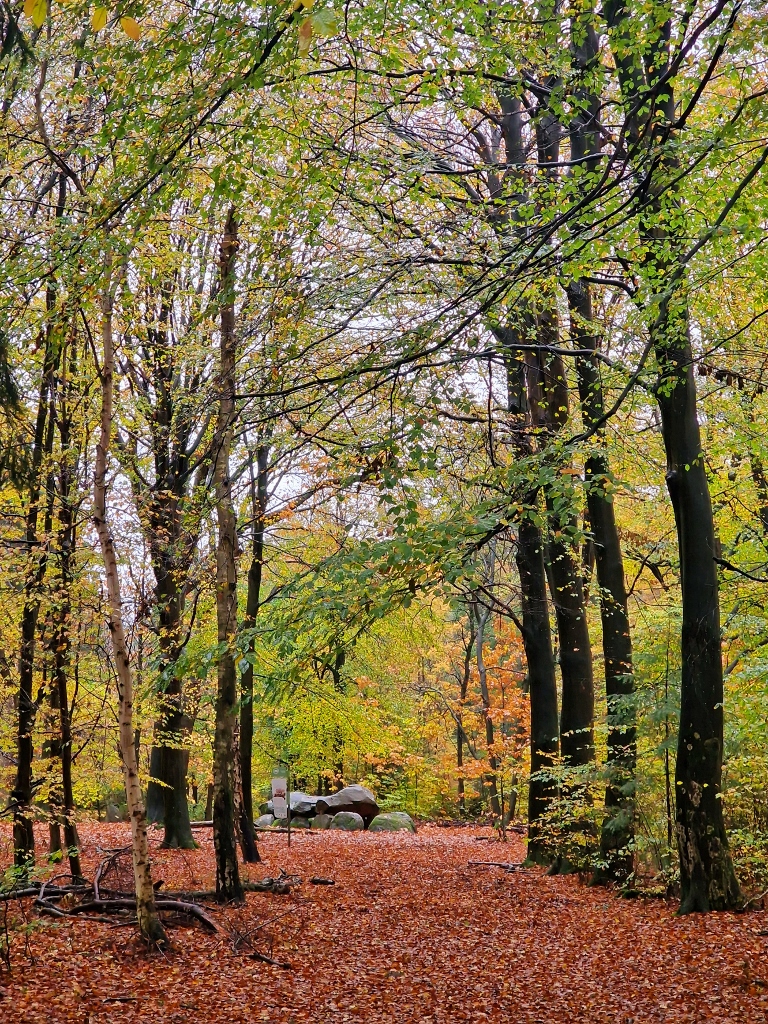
(618, 829)
(168, 527)
(460, 737)
(481, 621)
(537, 642)
(149, 922)
(259, 495)
(170, 552)
(548, 397)
(537, 635)
(707, 877)
(21, 795)
(62, 633)
(169, 758)
(225, 824)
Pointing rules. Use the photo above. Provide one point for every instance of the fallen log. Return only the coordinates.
(493, 864)
(117, 904)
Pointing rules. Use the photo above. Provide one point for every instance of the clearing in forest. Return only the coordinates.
(409, 932)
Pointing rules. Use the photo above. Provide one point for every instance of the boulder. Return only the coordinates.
(347, 821)
(303, 804)
(351, 798)
(392, 821)
(296, 822)
(264, 821)
(322, 821)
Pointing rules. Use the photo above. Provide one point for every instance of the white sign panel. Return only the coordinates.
(279, 794)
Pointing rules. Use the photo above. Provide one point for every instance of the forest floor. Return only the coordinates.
(408, 933)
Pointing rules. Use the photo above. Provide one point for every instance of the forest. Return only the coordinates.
(382, 410)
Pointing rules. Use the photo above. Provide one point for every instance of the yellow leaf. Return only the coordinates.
(307, 3)
(39, 12)
(131, 28)
(305, 37)
(29, 6)
(99, 19)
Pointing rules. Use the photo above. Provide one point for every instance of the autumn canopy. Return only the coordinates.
(382, 402)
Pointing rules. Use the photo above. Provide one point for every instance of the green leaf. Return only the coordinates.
(325, 22)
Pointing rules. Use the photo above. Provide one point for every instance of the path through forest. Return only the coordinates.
(409, 933)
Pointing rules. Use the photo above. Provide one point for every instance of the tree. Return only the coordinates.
(708, 880)
(149, 922)
(226, 818)
(166, 366)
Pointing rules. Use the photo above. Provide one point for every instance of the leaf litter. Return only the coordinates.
(410, 932)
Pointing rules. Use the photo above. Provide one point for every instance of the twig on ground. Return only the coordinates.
(493, 864)
(262, 958)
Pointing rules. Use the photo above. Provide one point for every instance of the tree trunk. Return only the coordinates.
(537, 642)
(481, 621)
(465, 677)
(228, 885)
(259, 494)
(169, 757)
(617, 834)
(21, 796)
(155, 797)
(548, 398)
(149, 922)
(577, 713)
(70, 453)
(537, 635)
(62, 640)
(707, 877)
(618, 828)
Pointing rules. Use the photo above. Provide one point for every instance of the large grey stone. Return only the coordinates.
(351, 798)
(322, 821)
(347, 821)
(392, 821)
(264, 821)
(301, 803)
(296, 822)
